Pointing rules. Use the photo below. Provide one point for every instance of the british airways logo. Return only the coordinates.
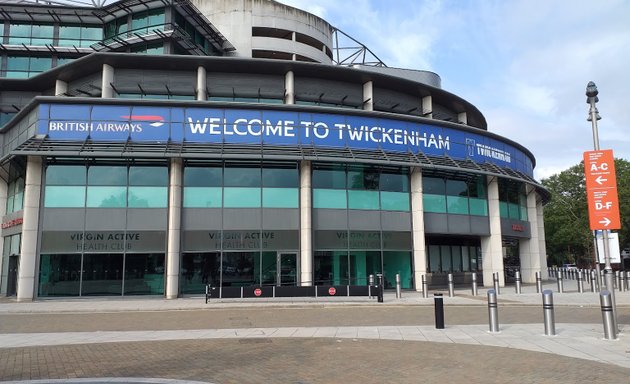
(155, 120)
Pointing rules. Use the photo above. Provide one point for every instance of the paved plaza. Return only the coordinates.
(314, 340)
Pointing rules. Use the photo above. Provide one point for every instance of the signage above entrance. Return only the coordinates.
(601, 189)
(273, 127)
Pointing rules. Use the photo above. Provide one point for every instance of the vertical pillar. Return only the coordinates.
(462, 118)
(107, 91)
(202, 87)
(427, 107)
(174, 229)
(542, 245)
(289, 88)
(28, 247)
(4, 187)
(417, 224)
(61, 87)
(368, 96)
(529, 248)
(306, 225)
(492, 246)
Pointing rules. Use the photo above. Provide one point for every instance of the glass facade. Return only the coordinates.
(360, 187)
(512, 200)
(452, 255)
(449, 195)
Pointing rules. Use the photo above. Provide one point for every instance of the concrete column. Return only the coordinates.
(107, 91)
(462, 118)
(202, 87)
(417, 224)
(528, 248)
(174, 229)
(289, 88)
(542, 244)
(427, 107)
(61, 87)
(492, 246)
(4, 187)
(306, 225)
(28, 247)
(368, 96)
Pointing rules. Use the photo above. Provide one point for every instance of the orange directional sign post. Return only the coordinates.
(601, 189)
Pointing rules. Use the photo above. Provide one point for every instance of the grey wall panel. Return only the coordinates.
(147, 219)
(330, 219)
(459, 224)
(364, 220)
(396, 221)
(105, 219)
(63, 219)
(281, 218)
(480, 225)
(241, 218)
(435, 223)
(201, 218)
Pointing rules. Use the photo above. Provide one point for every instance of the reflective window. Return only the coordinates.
(59, 196)
(59, 275)
(106, 197)
(363, 200)
(15, 195)
(79, 36)
(203, 176)
(281, 198)
(363, 178)
(395, 201)
(512, 200)
(202, 197)
(280, 177)
(22, 67)
(242, 176)
(329, 178)
(329, 198)
(241, 197)
(107, 175)
(396, 182)
(147, 197)
(144, 274)
(30, 34)
(434, 203)
(146, 175)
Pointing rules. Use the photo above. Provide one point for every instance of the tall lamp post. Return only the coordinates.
(593, 116)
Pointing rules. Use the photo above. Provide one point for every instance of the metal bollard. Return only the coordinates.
(425, 287)
(371, 283)
(538, 283)
(495, 280)
(579, 282)
(398, 295)
(439, 310)
(625, 280)
(550, 322)
(379, 278)
(517, 277)
(593, 282)
(474, 283)
(560, 284)
(608, 318)
(493, 311)
(451, 285)
(618, 274)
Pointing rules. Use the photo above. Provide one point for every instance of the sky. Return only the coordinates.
(524, 64)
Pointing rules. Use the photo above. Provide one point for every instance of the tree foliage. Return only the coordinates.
(567, 232)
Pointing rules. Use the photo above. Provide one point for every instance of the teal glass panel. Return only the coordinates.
(477, 187)
(89, 35)
(363, 178)
(280, 177)
(363, 199)
(456, 188)
(63, 60)
(329, 198)
(241, 197)
(17, 63)
(433, 185)
(107, 175)
(40, 64)
(281, 198)
(523, 213)
(147, 197)
(242, 176)
(156, 18)
(514, 211)
(457, 205)
(395, 201)
(139, 22)
(395, 182)
(329, 178)
(64, 197)
(20, 34)
(69, 35)
(144, 274)
(478, 207)
(65, 175)
(434, 203)
(42, 34)
(106, 197)
(202, 197)
(139, 175)
(59, 275)
(397, 263)
(503, 209)
(203, 176)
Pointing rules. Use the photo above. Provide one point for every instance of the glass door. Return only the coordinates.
(287, 268)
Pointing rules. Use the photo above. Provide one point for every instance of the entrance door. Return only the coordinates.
(12, 277)
(287, 268)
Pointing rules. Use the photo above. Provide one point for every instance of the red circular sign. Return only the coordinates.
(332, 291)
(257, 291)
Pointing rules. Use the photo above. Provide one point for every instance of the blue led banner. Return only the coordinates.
(272, 127)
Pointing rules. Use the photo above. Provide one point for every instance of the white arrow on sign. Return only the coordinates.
(606, 221)
(600, 180)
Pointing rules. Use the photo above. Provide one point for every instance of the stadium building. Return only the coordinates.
(153, 147)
